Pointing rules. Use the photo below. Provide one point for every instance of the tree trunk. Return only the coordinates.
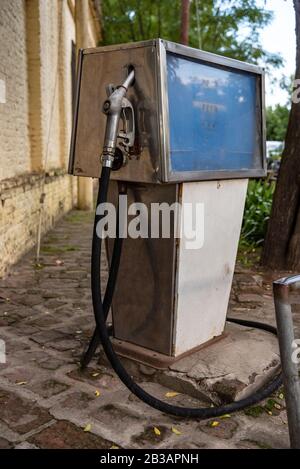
(185, 22)
(282, 243)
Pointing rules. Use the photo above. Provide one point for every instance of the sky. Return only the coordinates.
(279, 37)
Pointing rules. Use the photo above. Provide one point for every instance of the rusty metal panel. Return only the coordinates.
(143, 312)
(98, 69)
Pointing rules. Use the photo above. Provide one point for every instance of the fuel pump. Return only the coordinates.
(160, 310)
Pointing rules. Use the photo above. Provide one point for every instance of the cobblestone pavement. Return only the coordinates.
(47, 402)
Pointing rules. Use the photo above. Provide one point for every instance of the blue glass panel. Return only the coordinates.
(212, 115)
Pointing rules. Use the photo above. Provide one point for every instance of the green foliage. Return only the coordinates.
(286, 83)
(257, 211)
(248, 253)
(255, 411)
(138, 20)
(220, 25)
(277, 122)
(215, 25)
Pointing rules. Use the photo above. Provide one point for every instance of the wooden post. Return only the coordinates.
(282, 242)
(185, 22)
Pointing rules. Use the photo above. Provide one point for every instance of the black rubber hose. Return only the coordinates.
(201, 413)
(109, 292)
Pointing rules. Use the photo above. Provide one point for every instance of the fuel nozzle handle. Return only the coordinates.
(112, 107)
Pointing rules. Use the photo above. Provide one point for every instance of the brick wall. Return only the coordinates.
(35, 121)
(19, 214)
(14, 141)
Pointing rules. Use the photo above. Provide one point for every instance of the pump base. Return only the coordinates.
(155, 359)
(228, 368)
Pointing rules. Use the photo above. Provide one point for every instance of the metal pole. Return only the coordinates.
(284, 318)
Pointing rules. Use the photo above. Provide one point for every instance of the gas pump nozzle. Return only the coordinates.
(117, 106)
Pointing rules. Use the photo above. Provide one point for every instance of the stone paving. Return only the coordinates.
(47, 402)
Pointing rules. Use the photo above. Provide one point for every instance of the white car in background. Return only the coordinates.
(274, 152)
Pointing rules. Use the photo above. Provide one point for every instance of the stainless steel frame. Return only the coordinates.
(154, 166)
(75, 117)
(286, 293)
(166, 174)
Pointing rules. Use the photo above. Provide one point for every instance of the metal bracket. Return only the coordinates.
(127, 134)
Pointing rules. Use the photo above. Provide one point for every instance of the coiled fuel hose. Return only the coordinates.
(102, 334)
